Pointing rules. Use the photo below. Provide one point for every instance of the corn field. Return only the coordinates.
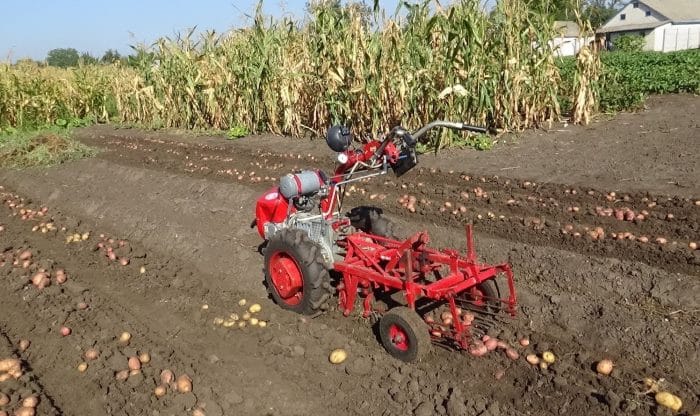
(281, 76)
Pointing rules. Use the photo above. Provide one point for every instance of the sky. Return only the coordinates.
(31, 28)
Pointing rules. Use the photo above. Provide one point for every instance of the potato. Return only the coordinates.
(160, 391)
(134, 363)
(25, 411)
(167, 376)
(337, 356)
(669, 400)
(184, 384)
(548, 357)
(30, 401)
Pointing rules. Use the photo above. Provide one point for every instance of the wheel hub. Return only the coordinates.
(398, 337)
(286, 278)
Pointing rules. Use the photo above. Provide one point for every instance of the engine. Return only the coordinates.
(290, 205)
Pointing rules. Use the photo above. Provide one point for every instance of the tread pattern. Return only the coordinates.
(317, 282)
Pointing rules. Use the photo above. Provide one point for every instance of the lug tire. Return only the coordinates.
(291, 248)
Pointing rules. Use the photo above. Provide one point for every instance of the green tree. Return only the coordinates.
(63, 57)
(597, 11)
(87, 59)
(111, 56)
(628, 43)
(600, 11)
(335, 6)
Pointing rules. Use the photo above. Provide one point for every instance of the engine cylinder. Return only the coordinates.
(306, 182)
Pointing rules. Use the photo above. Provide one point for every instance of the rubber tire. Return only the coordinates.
(317, 282)
(370, 220)
(416, 329)
(490, 289)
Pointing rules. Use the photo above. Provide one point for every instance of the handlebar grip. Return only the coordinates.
(475, 129)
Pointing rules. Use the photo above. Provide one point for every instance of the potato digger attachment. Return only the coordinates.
(449, 298)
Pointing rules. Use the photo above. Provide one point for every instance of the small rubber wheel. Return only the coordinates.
(404, 334)
(484, 296)
(295, 274)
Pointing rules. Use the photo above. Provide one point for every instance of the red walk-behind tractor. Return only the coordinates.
(312, 250)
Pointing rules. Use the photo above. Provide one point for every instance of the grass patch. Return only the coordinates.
(22, 149)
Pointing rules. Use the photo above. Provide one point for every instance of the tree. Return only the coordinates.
(600, 11)
(87, 59)
(63, 57)
(597, 11)
(628, 43)
(335, 6)
(111, 56)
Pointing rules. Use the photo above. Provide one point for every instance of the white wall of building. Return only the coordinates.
(568, 46)
(677, 37)
(667, 37)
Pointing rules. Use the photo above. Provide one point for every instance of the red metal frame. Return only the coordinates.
(377, 263)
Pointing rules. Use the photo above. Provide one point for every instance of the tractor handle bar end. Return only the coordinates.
(447, 124)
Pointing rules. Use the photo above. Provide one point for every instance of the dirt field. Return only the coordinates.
(182, 207)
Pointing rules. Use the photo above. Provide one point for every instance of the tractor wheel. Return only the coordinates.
(295, 274)
(404, 334)
(370, 220)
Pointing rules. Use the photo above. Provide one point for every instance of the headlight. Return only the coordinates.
(342, 158)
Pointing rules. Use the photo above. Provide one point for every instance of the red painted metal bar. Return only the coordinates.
(410, 284)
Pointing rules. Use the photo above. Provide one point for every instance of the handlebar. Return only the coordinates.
(447, 124)
(401, 132)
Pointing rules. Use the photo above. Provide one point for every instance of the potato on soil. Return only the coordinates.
(134, 363)
(167, 376)
(184, 383)
(669, 400)
(337, 356)
(160, 391)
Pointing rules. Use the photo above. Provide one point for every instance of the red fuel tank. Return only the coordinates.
(272, 206)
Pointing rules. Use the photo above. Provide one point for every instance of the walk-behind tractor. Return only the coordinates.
(420, 295)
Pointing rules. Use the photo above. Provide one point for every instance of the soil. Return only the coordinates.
(182, 205)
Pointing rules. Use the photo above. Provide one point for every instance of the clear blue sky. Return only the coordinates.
(31, 28)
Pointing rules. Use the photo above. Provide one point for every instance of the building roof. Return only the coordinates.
(671, 11)
(676, 10)
(632, 27)
(566, 28)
